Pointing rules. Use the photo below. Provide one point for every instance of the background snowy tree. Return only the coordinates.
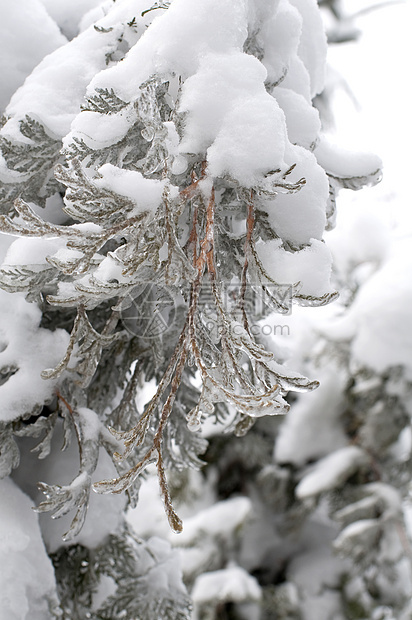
(170, 157)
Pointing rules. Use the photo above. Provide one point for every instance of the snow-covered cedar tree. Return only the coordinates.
(169, 184)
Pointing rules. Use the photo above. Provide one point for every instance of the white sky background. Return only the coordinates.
(377, 69)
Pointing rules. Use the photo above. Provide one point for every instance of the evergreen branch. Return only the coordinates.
(263, 275)
(86, 201)
(250, 223)
(157, 5)
(314, 300)
(75, 335)
(357, 182)
(178, 267)
(31, 279)
(31, 164)
(42, 424)
(9, 452)
(103, 101)
(249, 403)
(35, 226)
(62, 499)
(137, 434)
(126, 411)
(90, 348)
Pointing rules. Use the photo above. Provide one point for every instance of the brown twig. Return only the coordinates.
(250, 223)
(64, 401)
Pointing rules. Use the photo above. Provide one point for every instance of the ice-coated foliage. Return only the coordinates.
(167, 179)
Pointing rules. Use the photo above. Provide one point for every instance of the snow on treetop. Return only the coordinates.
(231, 584)
(381, 316)
(279, 38)
(27, 585)
(343, 163)
(301, 216)
(56, 88)
(302, 119)
(312, 44)
(229, 112)
(250, 142)
(378, 324)
(68, 14)
(221, 519)
(331, 471)
(312, 266)
(176, 41)
(146, 193)
(306, 432)
(26, 350)
(101, 130)
(208, 96)
(31, 251)
(38, 35)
